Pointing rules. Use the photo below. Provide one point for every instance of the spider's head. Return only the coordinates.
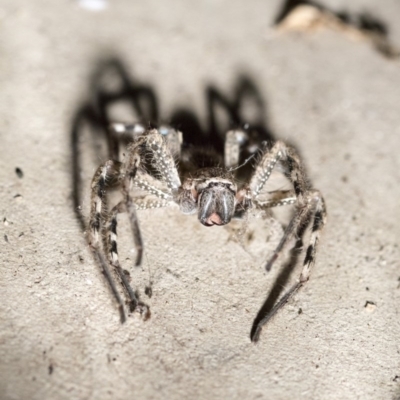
(213, 198)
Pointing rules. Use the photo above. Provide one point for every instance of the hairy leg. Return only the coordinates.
(318, 218)
(309, 204)
(111, 246)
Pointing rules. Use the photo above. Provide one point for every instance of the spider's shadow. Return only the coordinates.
(111, 84)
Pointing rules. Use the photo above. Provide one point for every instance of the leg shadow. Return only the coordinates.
(110, 83)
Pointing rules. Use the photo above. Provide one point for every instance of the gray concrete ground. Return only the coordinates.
(335, 99)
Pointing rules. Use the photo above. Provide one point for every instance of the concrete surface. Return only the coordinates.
(337, 100)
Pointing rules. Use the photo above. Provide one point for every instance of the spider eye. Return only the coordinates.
(222, 185)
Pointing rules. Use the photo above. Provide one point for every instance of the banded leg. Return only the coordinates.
(265, 167)
(280, 198)
(149, 202)
(111, 246)
(101, 261)
(319, 221)
(295, 173)
(309, 207)
(137, 237)
(111, 234)
(107, 171)
(151, 185)
(319, 217)
(154, 142)
(174, 139)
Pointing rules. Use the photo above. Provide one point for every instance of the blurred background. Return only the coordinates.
(322, 76)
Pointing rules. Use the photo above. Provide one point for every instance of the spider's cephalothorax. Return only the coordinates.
(212, 192)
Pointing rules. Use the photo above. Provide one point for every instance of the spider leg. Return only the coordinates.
(162, 157)
(111, 237)
(126, 174)
(296, 174)
(234, 140)
(265, 167)
(150, 141)
(319, 221)
(107, 172)
(101, 261)
(280, 198)
(154, 142)
(98, 205)
(111, 246)
(174, 139)
(149, 202)
(151, 185)
(300, 217)
(319, 217)
(310, 206)
(131, 210)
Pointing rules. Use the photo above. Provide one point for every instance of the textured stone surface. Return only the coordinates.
(337, 100)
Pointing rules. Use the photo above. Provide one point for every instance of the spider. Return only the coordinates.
(207, 188)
